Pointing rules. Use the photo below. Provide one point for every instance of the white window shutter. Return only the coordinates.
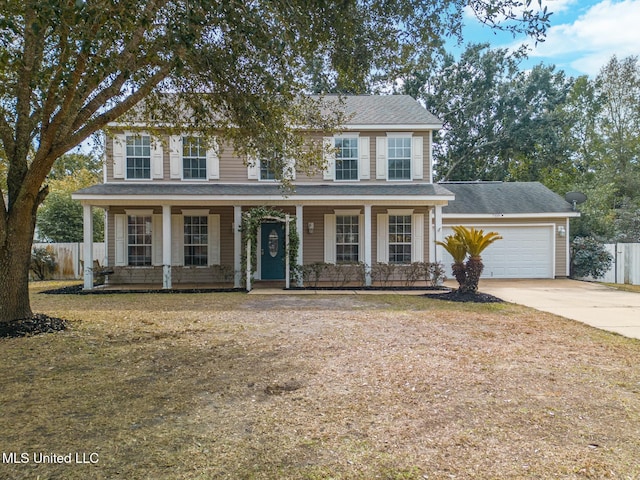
(417, 237)
(119, 155)
(213, 162)
(157, 160)
(214, 240)
(290, 168)
(364, 158)
(177, 240)
(156, 239)
(417, 158)
(175, 156)
(383, 238)
(120, 222)
(330, 238)
(361, 240)
(328, 146)
(253, 169)
(381, 158)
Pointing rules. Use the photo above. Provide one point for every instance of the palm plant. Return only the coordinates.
(475, 242)
(456, 248)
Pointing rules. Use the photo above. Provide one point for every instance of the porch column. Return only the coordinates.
(105, 260)
(437, 234)
(237, 246)
(368, 236)
(300, 229)
(87, 223)
(166, 247)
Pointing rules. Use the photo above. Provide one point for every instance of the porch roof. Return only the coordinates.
(326, 193)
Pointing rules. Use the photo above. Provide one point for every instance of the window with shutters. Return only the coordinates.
(347, 238)
(346, 160)
(196, 240)
(399, 158)
(267, 169)
(138, 157)
(139, 231)
(400, 239)
(194, 159)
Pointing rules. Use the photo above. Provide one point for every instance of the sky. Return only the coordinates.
(583, 35)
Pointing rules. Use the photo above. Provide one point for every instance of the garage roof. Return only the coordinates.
(495, 198)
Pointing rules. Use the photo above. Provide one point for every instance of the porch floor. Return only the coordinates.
(271, 288)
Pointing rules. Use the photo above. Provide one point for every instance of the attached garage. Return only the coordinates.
(533, 221)
(525, 251)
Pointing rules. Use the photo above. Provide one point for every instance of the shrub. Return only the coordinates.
(311, 273)
(383, 273)
(43, 263)
(589, 258)
(435, 273)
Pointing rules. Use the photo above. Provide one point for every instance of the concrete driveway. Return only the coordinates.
(591, 303)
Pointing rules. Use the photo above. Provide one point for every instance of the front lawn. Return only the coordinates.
(236, 386)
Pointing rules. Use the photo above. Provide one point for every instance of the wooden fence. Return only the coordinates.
(69, 258)
(626, 264)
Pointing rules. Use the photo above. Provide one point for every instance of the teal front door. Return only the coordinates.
(272, 251)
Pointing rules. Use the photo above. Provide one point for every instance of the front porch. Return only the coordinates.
(171, 240)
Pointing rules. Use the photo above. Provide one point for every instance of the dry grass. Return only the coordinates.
(625, 287)
(235, 386)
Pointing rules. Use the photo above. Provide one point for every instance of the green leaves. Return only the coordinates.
(469, 242)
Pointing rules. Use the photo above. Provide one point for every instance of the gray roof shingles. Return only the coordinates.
(504, 198)
(387, 110)
(266, 189)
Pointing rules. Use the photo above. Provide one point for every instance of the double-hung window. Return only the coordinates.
(400, 239)
(399, 158)
(267, 169)
(139, 230)
(346, 158)
(347, 238)
(196, 240)
(138, 157)
(194, 159)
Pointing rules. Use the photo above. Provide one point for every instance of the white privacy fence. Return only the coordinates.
(69, 258)
(626, 264)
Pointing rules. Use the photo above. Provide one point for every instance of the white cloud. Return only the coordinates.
(607, 28)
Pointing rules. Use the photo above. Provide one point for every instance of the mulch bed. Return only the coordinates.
(457, 296)
(35, 325)
(78, 290)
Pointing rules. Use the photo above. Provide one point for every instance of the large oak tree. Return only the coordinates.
(69, 67)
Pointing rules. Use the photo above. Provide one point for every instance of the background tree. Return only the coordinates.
(500, 123)
(59, 216)
(69, 67)
(606, 150)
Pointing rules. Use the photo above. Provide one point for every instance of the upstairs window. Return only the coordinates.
(267, 170)
(138, 157)
(399, 158)
(196, 240)
(346, 158)
(194, 159)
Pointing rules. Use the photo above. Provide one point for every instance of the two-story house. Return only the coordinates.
(174, 208)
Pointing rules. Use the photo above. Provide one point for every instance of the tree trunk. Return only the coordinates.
(460, 274)
(15, 258)
(474, 269)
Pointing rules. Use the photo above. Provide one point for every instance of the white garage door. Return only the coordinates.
(523, 252)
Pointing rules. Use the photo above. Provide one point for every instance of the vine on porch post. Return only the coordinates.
(251, 221)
